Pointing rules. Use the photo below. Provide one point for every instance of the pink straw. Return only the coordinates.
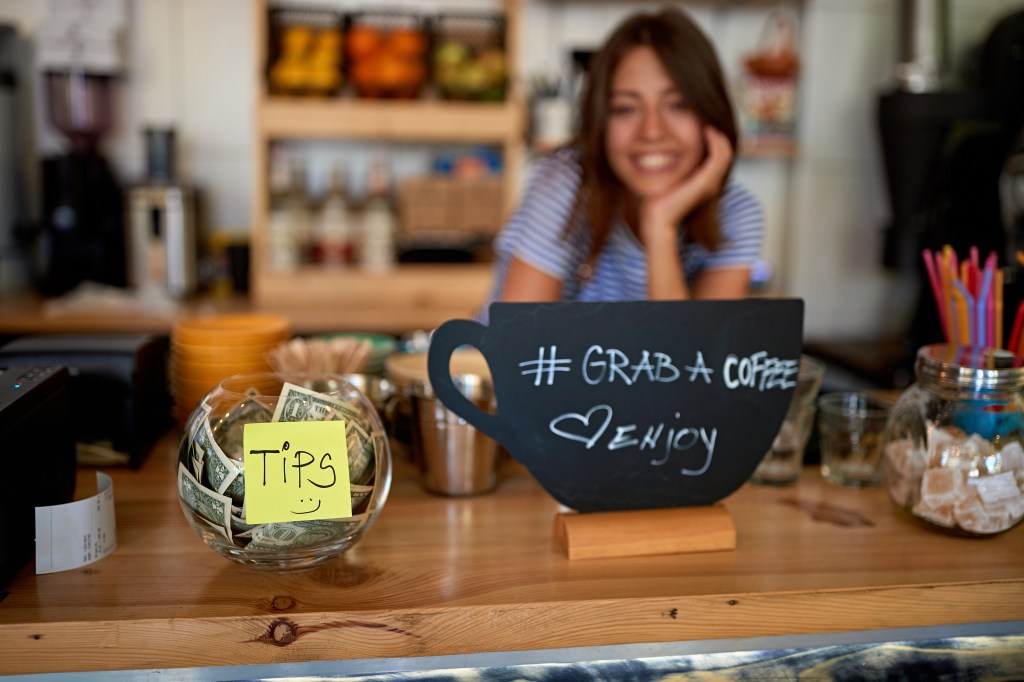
(933, 279)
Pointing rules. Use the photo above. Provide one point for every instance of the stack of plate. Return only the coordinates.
(206, 350)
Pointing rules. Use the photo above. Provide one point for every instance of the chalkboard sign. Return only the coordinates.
(631, 405)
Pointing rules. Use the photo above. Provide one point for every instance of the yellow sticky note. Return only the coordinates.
(296, 471)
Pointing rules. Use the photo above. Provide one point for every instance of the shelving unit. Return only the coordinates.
(412, 293)
(407, 296)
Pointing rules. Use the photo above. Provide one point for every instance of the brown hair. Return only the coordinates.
(690, 61)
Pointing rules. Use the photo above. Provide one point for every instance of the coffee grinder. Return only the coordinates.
(83, 204)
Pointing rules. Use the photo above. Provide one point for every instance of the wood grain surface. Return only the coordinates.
(440, 575)
(410, 297)
(645, 532)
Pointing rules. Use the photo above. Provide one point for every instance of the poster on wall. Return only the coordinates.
(768, 86)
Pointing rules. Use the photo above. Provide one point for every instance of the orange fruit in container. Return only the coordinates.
(407, 42)
(363, 74)
(363, 41)
(392, 71)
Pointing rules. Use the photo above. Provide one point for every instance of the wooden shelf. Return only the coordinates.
(406, 297)
(315, 300)
(392, 120)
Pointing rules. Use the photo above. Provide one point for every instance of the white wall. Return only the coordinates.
(838, 196)
(191, 65)
(194, 70)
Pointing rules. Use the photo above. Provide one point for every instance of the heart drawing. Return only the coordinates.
(585, 420)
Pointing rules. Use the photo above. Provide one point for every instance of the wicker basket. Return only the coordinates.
(438, 203)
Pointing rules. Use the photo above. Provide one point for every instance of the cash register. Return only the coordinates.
(38, 455)
(118, 395)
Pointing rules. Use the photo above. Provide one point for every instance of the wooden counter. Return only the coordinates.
(442, 576)
(408, 298)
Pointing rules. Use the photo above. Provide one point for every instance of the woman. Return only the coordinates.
(638, 206)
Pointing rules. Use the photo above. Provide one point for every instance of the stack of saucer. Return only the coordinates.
(206, 350)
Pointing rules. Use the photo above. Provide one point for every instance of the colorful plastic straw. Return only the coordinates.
(936, 284)
(1014, 345)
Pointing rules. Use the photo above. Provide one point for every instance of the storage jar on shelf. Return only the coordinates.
(953, 455)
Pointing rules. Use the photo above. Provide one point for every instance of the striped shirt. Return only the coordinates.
(536, 235)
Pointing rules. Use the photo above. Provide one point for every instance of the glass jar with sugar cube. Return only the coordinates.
(953, 455)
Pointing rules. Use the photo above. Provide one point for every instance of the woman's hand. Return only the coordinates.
(660, 216)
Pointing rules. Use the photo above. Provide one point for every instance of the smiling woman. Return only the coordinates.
(639, 205)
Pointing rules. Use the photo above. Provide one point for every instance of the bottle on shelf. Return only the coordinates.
(334, 232)
(377, 252)
(288, 232)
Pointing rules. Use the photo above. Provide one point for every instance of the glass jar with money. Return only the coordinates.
(953, 455)
(283, 471)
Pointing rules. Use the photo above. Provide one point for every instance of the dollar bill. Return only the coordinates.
(301, 534)
(360, 496)
(361, 457)
(217, 529)
(239, 526)
(219, 469)
(236, 489)
(247, 534)
(299, 404)
(229, 428)
(381, 447)
(198, 454)
(196, 418)
(206, 503)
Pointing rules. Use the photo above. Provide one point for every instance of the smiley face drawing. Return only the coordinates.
(291, 473)
(310, 511)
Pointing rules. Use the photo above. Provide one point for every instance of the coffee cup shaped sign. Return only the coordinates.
(631, 405)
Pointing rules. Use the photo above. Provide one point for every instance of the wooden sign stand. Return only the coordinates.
(645, 532)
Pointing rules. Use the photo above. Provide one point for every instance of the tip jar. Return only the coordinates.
(211, 468)
(953, 455)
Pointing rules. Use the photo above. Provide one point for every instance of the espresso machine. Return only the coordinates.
(82, 236)
(162, 240)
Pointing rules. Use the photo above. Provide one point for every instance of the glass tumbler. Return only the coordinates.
(783, 463)
(851, 426)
